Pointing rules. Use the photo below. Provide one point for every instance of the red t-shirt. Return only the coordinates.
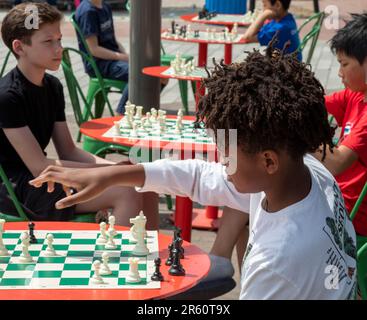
(350, 111)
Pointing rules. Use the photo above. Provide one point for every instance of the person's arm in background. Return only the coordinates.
(103, 53)
(252, 31)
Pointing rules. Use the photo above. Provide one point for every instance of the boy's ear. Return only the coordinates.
(270, 160)
(18, 47)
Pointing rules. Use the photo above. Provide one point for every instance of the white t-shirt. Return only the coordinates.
(304, 251)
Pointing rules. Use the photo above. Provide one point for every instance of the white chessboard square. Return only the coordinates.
(76, 274)
(10, 241)
(78, 260)
(81, 247)
(59, 253)
(3, 266)
(44, 282)
(60, 241)
(18, 274)
(49, 266)
(85, 235)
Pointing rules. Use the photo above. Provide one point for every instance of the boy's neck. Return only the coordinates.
(290, 186)
(33, 74)
(281, 15)
(97, 3)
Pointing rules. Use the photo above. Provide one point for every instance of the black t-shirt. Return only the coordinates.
(23, 103)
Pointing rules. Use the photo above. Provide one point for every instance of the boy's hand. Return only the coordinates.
(267, 14)
(87, 182)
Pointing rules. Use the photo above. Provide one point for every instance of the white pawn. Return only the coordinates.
(134, 131)
(139, 113)
(96, 278)
(133, 275)
(178, 129)
(105, 269)
(179, 113)
(110, 243)
(112, 221)
(102, 239)
(50, 251)
(117, 127)
(3, 250)
(25, 256)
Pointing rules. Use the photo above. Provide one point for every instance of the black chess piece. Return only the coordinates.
(157, 275)
(173, 24)
(32, 237)
(176, 268)
(196, 34)
(170, 255)
(178, 238)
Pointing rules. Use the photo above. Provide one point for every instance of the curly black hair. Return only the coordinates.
(273, 100)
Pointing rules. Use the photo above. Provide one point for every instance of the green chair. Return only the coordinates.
(80, 102)
(3, 67)
(313, 35)
(182, 84)
(83, 217)
(97, 85)
(361, 249)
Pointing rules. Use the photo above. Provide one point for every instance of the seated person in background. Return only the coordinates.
(95, 20)
(298, 222)
(32, 111)
(282, 23)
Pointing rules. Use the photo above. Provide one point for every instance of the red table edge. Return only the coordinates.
(77, 294)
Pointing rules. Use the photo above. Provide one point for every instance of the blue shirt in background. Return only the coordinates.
(99, 22)
(287, 28)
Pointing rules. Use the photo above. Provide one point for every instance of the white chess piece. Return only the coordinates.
(50, 251)
(133, 275)
(134, 131)
(111, 222)
(139, 113)
(139, 234)
(117, 127)
(3, 250)
(110, 243)
(125, 122)
(105, 269)
(102, 239)
(96, 278)
(178, 129)
(25, 256)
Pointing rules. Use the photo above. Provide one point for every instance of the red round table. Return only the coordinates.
(196, 265)
(184, 216)
(159, 72)
(192, 18)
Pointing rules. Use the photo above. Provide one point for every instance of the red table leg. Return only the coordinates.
(203, 54)
(183, 216)
(228, 53)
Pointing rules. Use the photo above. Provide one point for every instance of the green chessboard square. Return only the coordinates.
(10, 246)
(80, 253)
(99, 247)
(122, 282)
(47, 274)
(82, 241)
(74, 281)
(51, 260)
(62, 235)
(125, 267)
(11, 235)
(63, 247)
(125, 241)
(126, 254)
(110, 259)
(4, 259)
(15, 282)
(32, 253)
(114, 274)
(1, 274)
(20, 267)
(77, 266)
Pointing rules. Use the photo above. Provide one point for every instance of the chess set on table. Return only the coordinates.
(80, 259)
(211, 34)
(248, 17)
(180, 67)
(155, 126)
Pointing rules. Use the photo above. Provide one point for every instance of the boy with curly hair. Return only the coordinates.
(302, 243)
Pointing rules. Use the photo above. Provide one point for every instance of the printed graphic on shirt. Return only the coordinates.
(347, 129)
(106, 25)
(341, 241)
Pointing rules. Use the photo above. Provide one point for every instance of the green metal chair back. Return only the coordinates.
(85, 217)
(361, 249)
(3, 67)
(313, 35)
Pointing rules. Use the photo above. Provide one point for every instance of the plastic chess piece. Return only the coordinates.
(176, 268)
(50, 251)
(112, 221)
(157, 275)
(102, 239)
(3, 250)
(32, 237)
(170, 255)
(133, 275)
(25, 256)
(110, 243)
(96, 278)
(105, 269)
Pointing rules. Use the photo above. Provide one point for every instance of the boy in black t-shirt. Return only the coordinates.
(32, 112)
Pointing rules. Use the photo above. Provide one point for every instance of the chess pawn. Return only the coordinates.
(154, 115)
(132, 110)
(96, 278)
(110, 243)
(157, 275)
(177, 128)
(111, 222)
(133, 275)
(134, 131)
(102, 239)
(139, 113)
(3, 250)
(105, 269)
(117, 127)
(126, 123)
(25, 256)
(176, 268)
(50, 251)
(148, 123)
(179, 113)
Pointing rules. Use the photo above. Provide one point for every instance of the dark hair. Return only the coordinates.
(285, 3)
(352, 38)
(273, 100)
(13, 26)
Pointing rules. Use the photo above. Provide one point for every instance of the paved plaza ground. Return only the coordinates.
(324, 64)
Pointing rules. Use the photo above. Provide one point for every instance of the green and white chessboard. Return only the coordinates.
(227, 18)
(197, 73)
(203, 35)
(188, 134)
(72, 267)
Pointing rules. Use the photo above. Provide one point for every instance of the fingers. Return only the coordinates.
(73, 199)
(37, 182)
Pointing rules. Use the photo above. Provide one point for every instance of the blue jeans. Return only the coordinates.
(116, 70)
